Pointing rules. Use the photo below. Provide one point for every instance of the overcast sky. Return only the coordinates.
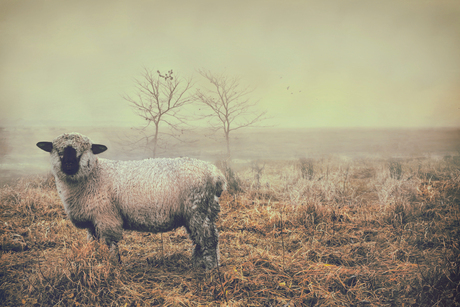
(346, 63)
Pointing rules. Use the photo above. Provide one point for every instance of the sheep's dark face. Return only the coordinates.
(72, 155)
(70, 163)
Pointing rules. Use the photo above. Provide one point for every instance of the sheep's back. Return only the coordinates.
(157, 189)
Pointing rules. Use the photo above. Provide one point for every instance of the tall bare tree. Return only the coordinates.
(159, 100)
(229, 105)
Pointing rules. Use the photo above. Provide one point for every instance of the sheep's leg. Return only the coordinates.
(197, 256)
(114, 253)
(110, 234)
(210, 255)
(204, 234)
(91, 234)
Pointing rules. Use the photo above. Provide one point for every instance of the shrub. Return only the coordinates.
(307, 169)
(395, 169)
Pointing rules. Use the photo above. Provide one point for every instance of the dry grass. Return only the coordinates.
(299, 233)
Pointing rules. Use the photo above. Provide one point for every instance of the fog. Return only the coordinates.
(20, 157)
(334, 76)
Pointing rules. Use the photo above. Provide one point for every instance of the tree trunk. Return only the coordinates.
(227, 138)
(155, 140)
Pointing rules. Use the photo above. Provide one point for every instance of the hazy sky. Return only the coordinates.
(346, 63)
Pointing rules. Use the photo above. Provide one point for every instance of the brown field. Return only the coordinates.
(324, 232)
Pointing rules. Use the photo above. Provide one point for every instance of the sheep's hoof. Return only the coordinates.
(115, 260)
(203, 264)
(150, 262)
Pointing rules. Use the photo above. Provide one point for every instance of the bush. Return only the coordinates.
(307, 169)
(395, 169)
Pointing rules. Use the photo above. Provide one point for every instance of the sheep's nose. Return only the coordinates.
(68, 165)
(70, 168)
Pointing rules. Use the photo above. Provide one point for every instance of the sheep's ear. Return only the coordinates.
(46, 146)
(97, 149)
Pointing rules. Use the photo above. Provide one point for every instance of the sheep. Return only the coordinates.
(153, 195)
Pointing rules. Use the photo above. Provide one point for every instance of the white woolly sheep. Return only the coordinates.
(152, 195)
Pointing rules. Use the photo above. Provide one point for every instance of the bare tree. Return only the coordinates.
(159, 99)
(229, 105)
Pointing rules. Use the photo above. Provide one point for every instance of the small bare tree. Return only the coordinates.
(229, 105)
(159, 99)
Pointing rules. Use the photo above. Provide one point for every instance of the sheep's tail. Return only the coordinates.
(220, 182)
(220, 186)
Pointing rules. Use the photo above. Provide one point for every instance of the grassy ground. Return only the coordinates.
(328, 232)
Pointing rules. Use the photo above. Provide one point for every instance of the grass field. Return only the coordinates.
(327, 232)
